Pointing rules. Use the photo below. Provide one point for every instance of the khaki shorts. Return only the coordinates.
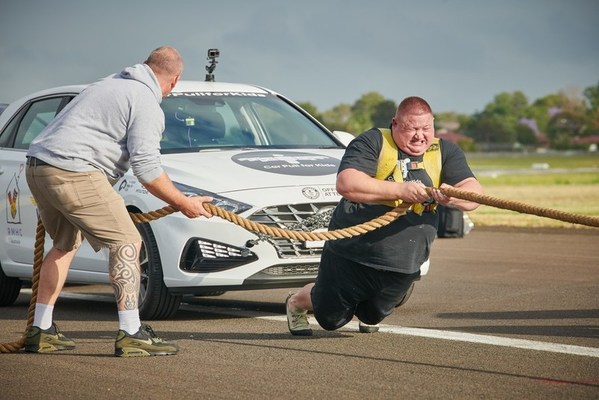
(72, 204)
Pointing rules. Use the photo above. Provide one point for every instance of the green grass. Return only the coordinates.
(582, 178)
(570, 190)
(523, 161)
(571, 199)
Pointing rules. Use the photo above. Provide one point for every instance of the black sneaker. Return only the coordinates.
(142, 344)
(46, 340)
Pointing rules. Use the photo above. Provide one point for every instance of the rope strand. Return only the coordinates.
(357, 230)
(522, 207)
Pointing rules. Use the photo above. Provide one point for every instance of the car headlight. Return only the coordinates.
(225, 203)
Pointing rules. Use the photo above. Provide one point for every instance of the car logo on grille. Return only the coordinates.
(311, 193)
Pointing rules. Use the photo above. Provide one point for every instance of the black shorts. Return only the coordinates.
(344, 288)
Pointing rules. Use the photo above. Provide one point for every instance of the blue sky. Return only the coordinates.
(458, 54)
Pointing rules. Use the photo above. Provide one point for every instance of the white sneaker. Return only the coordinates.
(365, 328)
(297, 321)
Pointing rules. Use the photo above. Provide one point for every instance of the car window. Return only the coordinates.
(196, 122)
(6, 137)
(31, 120)
(39, 114)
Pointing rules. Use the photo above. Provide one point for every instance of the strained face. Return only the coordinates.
(413, 132)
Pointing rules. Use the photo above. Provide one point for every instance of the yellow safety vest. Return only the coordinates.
(388, 165)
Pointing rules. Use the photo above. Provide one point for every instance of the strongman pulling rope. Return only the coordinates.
(308, 236)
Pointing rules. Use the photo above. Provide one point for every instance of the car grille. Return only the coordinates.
(302, 217)
(292, 270)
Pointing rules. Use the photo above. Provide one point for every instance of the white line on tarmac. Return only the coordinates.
(394, 329)
(473, 338)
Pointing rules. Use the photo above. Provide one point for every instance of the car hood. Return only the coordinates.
(228, 171)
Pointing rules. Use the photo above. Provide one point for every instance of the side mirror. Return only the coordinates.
(344, 137)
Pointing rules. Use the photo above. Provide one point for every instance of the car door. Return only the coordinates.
(19, 219)
(18, 222)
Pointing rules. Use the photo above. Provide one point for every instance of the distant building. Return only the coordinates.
(591, 141)
(450, 136)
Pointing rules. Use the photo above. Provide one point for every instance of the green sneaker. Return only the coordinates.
(297, 321)
(46, 340)
(142, 344)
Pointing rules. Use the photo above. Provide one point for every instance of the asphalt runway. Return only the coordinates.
(502, 314)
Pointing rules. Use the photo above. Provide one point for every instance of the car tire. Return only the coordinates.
(155, 300)
(9, 289)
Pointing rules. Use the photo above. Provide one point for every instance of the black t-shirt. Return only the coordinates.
(404, 244)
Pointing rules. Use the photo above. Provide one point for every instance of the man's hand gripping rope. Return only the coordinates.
(357, 230)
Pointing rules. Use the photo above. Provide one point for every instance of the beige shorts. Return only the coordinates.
(72, 204)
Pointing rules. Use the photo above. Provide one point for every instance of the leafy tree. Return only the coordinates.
(366, 108)
(370, 110)
(311, 109)
(592, 96)
(564, 127)
(451, 121)
(498, 122)
(337, 118)
(467, 144)
(508, 119)
(526, 135)
(508, 105)
(383, 113)
(359, 122)
(562, 117)
(367, 103)
(540, 112)
(488, 128)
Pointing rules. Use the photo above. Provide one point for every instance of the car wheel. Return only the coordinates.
(155, 300)
(9, 289)
(408, 294)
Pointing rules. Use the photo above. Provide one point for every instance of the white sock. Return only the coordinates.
(129, 321)
(43, 316)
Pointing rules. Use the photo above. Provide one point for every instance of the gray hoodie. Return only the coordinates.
(113, 124)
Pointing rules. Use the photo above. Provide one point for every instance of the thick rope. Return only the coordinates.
(356, 230)
(251, 226)
(137, 218)
(38, 257)
(381, 221)
(522, 207)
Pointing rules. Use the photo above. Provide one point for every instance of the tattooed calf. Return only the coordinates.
(124, 275)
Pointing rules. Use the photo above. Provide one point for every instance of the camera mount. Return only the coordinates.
(213, 54)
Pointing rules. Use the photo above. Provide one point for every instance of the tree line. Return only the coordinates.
(566, 120)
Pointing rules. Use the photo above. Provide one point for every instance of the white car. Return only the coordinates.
(256, 152)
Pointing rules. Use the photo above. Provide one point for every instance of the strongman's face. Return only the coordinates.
(413, 133)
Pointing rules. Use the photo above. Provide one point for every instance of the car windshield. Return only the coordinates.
(194, 123)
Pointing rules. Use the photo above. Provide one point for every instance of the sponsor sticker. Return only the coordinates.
(289, 162)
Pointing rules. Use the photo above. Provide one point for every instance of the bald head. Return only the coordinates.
(167, 65)
(165, 61)
(413, 105)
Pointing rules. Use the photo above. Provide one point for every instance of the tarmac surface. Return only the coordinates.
(502, 314)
